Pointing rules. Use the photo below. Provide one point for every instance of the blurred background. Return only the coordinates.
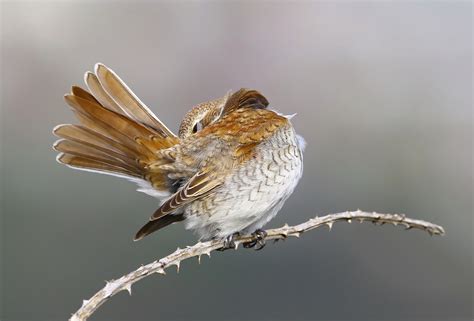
(383, 94)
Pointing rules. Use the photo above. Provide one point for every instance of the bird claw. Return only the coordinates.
(229, 242)
(259, 242)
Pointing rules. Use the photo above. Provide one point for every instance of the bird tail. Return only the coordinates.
(118, 135)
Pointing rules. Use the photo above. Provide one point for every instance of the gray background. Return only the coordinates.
(383, 96)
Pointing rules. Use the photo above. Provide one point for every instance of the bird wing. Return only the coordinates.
(244, 98)
(200, 185)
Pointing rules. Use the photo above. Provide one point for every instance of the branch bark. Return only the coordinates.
(205, 248)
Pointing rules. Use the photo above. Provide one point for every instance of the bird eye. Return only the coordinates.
(197, 127)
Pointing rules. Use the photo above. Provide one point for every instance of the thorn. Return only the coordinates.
(361, 220)
(208, 253)
(178, 263)
(84, 302)
(128, 287)
(286, 225)
(199, 258)
(297, 234)
(161, 271)
(329, 224)
(349, 220)
(110, 286)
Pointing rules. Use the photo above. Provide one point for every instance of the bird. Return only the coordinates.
(228, 171)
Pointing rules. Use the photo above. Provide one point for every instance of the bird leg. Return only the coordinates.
(259, 236)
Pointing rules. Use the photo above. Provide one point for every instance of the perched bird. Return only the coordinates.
(229, 170)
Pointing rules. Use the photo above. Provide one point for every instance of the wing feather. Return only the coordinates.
(245, 98)
(155, 225)
(200, 185)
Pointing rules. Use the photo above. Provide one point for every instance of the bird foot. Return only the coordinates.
(259, 242)
(229, 242)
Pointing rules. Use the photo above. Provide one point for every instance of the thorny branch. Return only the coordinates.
(125, 282)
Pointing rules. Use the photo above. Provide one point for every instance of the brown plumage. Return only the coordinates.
(191, 173)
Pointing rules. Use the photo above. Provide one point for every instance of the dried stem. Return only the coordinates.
(125, 282)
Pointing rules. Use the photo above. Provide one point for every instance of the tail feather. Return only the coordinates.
(84, 94)
(128, 102)
(108, 119)
(108, 131)
(94, 86)
(87, 164)
(118, 134)
(119, 122)
(97, 153)
(86, 136)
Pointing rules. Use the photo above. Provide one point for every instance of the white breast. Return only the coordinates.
(255, 193)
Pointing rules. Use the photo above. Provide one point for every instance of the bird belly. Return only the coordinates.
(253, 194)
